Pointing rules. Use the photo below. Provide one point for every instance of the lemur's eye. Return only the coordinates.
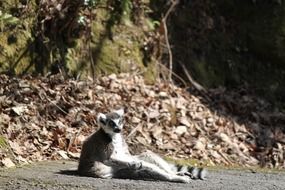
(120, 121)
(112, 123)
(103, 121)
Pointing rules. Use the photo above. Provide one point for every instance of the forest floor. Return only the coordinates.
(46, 175)
(49, 118)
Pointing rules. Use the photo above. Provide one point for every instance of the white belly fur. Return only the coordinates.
(120, 149)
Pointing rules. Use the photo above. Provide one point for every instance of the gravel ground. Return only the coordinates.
(45, 175)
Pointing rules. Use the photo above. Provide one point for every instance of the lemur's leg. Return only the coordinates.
(154, 172)
(193, 172)
(102, 171)
(155, 159)
(98, 169)
(137, 168)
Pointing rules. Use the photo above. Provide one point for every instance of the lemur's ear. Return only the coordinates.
(101, 118)
(120, 112)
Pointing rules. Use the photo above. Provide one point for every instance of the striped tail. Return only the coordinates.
(193, 172)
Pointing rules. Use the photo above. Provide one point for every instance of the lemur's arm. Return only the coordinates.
(120, 163)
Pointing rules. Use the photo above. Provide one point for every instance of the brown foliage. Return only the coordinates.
(49, 118)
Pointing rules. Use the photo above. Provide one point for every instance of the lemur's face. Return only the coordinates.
(112, 122)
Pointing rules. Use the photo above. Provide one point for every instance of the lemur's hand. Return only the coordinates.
(185, 174)
(135, 165)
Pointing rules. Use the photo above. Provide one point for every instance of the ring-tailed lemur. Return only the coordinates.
(105, 154)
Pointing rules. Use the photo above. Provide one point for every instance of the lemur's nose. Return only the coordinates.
(117, 130)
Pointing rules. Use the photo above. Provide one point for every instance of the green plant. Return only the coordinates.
(7, 19)
(3, 143)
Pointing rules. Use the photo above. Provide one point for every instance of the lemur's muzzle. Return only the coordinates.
(117, 129)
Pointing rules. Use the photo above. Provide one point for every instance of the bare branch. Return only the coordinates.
(164, 20)
(191, 80)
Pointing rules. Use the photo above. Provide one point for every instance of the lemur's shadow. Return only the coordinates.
(72, 172)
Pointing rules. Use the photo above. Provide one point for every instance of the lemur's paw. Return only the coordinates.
(184, 179)
(185, 174)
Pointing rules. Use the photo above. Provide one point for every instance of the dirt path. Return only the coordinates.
(44, 175)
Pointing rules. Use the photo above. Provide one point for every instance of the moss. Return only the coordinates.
(115, 45)
(150, 74)
(126, 11)
(15, 40)
(3, 143)
(118, 57)
(187, 162)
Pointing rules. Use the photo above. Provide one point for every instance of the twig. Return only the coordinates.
(58, 107)
(174, 74)
(163, 21)
(53, 102)
(91, 61)
(228, 161)
(196, 85)
(73, 139)
(90, 49)
(133, 131)
(170, 60)
(174, 3)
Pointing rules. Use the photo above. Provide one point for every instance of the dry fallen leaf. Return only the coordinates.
(63, 154)
(16, 148)
(153, 114)
(7, 162)
(180, 130)
(19, 109)
(184, 121)
(43, 119)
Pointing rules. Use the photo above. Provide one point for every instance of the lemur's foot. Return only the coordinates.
(135, 165)
(182, 179)
(185, 174)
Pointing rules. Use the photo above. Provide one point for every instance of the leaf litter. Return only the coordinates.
(49, 118)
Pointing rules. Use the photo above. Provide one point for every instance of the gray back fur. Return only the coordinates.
(97, 147)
